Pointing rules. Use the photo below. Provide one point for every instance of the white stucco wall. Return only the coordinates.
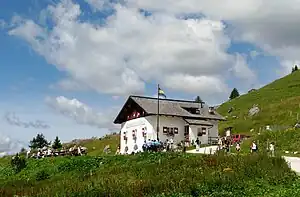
(210, 132)
(149, 123)
(194, 132)
(214, 131)
(138, 125)
(168, 121)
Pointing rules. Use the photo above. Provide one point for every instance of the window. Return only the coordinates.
(171, 131)
(203, 130)
(175, 130)
(165, 130)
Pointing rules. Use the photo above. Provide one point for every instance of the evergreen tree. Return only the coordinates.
(234, 94)
(23, 150)
(198, 99)
(295, 68)
(38, 142)
(56, 144)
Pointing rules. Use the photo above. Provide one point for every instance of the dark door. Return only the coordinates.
(186, 132)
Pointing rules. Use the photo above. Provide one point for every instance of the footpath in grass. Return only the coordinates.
(160, 174)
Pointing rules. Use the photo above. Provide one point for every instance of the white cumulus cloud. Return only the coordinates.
(119, 56)
(10, 146)
(81, 113)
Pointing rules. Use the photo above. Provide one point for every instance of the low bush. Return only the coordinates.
(18, 163)
(42, 175)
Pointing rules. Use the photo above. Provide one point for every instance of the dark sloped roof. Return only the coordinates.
(198, 122)
(174, 107)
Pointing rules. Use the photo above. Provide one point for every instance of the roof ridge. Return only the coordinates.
(165, 99)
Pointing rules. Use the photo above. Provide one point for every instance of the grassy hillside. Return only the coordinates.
(158, 175)
(96, 146)
(279, 103)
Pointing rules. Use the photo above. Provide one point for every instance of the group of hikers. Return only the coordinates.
(225, 143)
(49, 152)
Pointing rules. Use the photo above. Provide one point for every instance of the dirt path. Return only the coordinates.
(205, 150)
(294, 163)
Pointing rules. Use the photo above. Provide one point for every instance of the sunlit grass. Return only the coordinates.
(150, 175)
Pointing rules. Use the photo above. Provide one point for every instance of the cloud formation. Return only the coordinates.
(132, 47)
(80, 112)
(14, 120)
(9, 146)
(271, 25)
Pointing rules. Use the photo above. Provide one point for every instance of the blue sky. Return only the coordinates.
(80, 55)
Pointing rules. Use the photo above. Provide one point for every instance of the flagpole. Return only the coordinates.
(157, 122)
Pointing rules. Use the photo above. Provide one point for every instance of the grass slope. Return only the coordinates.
(279, 103)
(96, 146)
(160, 174)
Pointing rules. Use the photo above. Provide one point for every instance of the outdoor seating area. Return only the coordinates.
(50, 152)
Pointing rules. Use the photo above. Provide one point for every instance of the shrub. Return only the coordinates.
(42, 175)
(18, 163)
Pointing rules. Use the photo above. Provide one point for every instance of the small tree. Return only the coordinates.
(234, 94)
(23, 150)
(39, 142)
(18, 163)
(295, 68)
(56, 144)
(198, 99)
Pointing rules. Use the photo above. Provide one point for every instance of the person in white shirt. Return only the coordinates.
(272, 149)
(79, 150)
(238, 147)
(28, 153)
(38, 155)
(171, 144)
(48, 152)
(220, 143)
(253, 147)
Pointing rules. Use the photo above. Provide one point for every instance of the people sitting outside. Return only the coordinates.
(106, 149)
(144, 147)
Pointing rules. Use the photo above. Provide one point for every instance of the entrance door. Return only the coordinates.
(186, 133)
